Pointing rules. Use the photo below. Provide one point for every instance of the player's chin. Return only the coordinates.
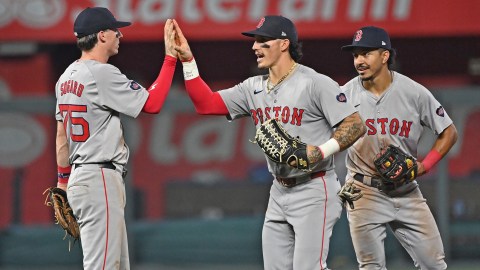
(364, 76)
(114, 52)
(261, 66)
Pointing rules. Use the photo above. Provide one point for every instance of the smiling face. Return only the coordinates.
(369, 62)
(268, 50)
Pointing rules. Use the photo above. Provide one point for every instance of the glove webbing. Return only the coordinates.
(263, 138)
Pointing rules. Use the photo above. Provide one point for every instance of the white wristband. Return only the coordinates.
(190, 70)
(329, 148)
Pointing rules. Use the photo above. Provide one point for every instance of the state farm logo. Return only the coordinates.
(32, 13)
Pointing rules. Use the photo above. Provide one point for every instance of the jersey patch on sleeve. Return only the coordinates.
(134, 85)
(440, 111)
(341, 97)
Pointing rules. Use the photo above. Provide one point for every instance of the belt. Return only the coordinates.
(377, 182)
(105, 165)
(373, 182)
(293, 181)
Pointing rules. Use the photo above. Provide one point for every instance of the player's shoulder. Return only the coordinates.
(315, 77)
(102, 72)
(409, 85)
(254, 81)
(352, 86)
(100, 67)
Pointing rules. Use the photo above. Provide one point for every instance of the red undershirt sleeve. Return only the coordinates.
(159, 89)
(204, 100)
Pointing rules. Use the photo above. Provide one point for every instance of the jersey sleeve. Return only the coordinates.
(351, 94)
(330, 99)
(236, 100)
(119, 93)
(432, 113)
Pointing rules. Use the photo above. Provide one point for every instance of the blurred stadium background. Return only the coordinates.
(197, 188)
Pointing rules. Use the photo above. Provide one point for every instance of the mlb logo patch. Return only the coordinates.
(134, 85)
(440, 111)
(342, 98)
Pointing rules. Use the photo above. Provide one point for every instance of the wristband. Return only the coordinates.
(63, 173)
(190, 70)
(431, 159)
(329, 148)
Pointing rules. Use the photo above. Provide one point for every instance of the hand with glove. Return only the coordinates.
(350, 193)
(395, 166)
(281, 147)
(57, 198)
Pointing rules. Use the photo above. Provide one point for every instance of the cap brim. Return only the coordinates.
(256, 32)
(119, 24)
(351, 47)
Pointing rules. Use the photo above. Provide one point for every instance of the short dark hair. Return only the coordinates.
(87, 43)
(295, 50)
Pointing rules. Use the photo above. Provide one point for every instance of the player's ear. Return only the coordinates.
(285, 44)
(385, 56)
(101, 36)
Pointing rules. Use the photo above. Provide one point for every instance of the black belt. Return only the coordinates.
(293, 181)
(377, 182)
(105, 165)
(374, 182)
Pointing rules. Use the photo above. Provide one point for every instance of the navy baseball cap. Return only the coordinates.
(94, 20)
(370, 37)
(277, 27)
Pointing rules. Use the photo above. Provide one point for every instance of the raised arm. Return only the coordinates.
(204, 99)
(159, 89)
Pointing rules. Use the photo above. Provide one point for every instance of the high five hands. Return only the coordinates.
(176, 44)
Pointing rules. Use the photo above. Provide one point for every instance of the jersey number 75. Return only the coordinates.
(66, 110)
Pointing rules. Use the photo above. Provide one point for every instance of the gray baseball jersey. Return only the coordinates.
(396, 117)
(299, 219)
(308, 104)
(90, 97)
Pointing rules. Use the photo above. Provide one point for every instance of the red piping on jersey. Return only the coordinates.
(204, 100)
(108, 216)
(324, 219)
(159, 89)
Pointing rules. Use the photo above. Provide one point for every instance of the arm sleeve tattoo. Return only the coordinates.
(349, 131)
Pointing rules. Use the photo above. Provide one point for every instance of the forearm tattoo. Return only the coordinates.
(349, 131)
(315, 155)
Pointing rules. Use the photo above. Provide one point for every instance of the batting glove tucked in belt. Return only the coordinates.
(350, 193)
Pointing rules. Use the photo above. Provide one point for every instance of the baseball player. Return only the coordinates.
(395, 110)
(303, 207)
(91, 151)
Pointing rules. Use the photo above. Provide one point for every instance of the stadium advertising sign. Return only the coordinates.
(52, 20)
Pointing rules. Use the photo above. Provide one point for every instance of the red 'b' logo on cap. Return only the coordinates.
(260, 23)
(358, 35)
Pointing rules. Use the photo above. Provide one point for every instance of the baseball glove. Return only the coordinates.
(57, 198)
(395, 166)
(280, 147)
(350, 193)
